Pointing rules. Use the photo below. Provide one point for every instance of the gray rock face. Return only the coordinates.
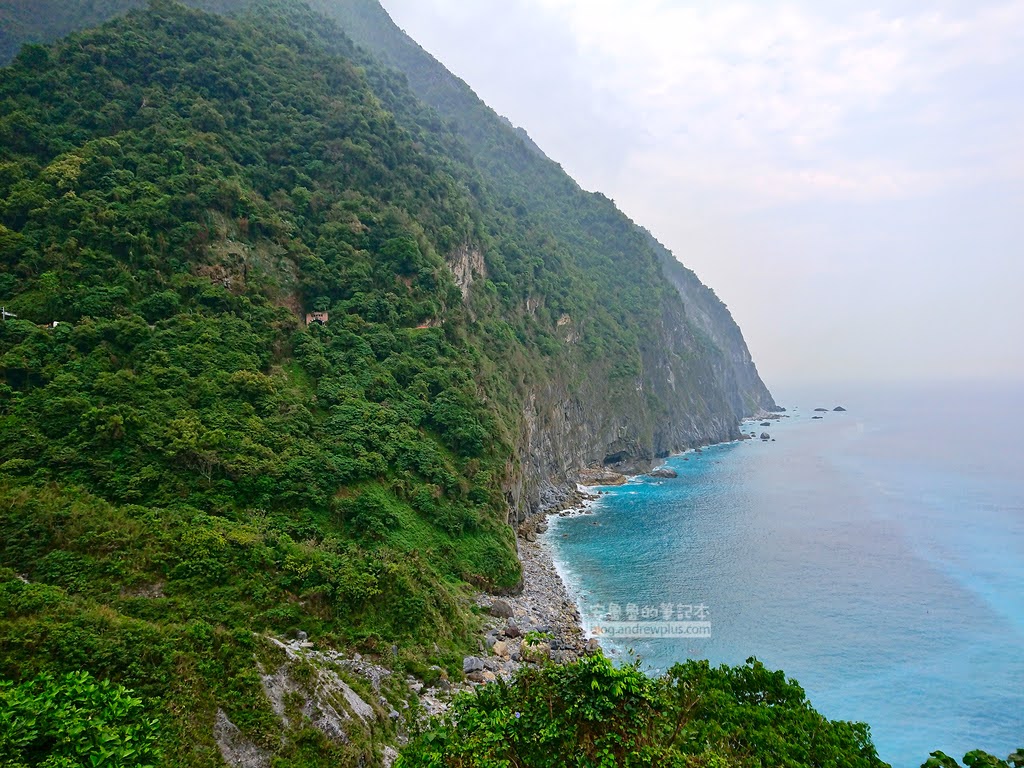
(237, 751)
(472, 664)
(467, 266)
(328, 703)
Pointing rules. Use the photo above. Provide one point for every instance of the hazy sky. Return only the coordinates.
(849, 178)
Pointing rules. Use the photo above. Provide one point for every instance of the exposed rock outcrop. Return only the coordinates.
(236, 750)
(467, 266)
(599, 476)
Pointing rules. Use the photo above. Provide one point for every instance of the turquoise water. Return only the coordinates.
(877, 556)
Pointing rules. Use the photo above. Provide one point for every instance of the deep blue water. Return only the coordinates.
(877, 556)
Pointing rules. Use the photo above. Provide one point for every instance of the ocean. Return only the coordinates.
(876, 555)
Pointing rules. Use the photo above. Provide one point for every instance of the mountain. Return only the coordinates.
(298, 337)
(526, 185)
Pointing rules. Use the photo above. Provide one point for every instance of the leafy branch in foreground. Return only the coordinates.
(975, 759)
(74, 720)
(592, 713)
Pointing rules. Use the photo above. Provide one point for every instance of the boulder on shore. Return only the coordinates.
(665, 472)
(501, 609)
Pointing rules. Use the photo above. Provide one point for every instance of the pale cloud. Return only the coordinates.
(779, 88)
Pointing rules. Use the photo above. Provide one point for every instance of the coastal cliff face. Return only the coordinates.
(733, 362)
(680, 401)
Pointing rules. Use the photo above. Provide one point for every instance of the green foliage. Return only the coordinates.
(74, 721)
(592, 713)
(758, 712)
(975, 759)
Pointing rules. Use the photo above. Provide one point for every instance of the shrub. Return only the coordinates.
(74, 721)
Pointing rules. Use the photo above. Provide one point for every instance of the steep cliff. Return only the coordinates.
(734, 364)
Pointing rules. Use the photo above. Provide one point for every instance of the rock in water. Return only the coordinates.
(765, 436)
(601, 476)
(839, 409)
(665, 472)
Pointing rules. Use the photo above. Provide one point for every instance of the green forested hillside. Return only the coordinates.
(530, 181)
(183, 462)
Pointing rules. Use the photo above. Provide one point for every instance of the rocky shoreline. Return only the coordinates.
(542, 621)
(544, 605)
